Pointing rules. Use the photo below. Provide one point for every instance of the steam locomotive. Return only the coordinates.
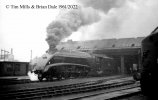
(149, 63)
(64, 64)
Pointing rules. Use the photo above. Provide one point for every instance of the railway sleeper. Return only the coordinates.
(35, 89)
(90, 87)
(25, 95)
(74, 89)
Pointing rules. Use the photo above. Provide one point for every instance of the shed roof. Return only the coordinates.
(103, 44)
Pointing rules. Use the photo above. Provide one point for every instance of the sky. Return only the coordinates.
(31, 29)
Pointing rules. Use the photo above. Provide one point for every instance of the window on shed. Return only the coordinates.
(17, 67)
(113, 45)
(78, 47)
(132, 45)
(9, 67)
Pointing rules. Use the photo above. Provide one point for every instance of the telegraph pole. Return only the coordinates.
(1, 53)
(31, 56)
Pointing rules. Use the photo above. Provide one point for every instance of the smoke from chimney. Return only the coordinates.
(119, 19)
(101, 19)
(68, 22)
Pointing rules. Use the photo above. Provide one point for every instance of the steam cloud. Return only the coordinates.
(120, 19)
(100, 19)
(68, 22)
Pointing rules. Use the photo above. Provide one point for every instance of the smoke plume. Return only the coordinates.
(68, 22)
(101, 19)
(119, 19)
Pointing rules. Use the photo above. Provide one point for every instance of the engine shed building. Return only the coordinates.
(126, 52)
(12, 68)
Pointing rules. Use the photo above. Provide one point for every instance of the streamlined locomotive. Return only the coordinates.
(62, 64)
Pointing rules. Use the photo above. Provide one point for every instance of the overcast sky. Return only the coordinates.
(26, 29)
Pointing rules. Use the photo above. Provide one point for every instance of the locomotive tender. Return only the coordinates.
(63, 64)
(149, 63)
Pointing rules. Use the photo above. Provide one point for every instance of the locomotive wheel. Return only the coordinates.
(65, 76)
(40, 77)
(59, 77)
(49, 78)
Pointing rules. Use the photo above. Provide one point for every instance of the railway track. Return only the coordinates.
(63, 90)
(25, 81)
(117, 93)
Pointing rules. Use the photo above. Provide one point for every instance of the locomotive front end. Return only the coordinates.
(37, 66)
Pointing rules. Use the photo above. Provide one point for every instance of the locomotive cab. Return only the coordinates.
(149, 63)
(149, 56)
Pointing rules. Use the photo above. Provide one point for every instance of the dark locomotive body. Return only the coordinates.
(149, 63)
(64, 64)
(149, 51)
(66, 70)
